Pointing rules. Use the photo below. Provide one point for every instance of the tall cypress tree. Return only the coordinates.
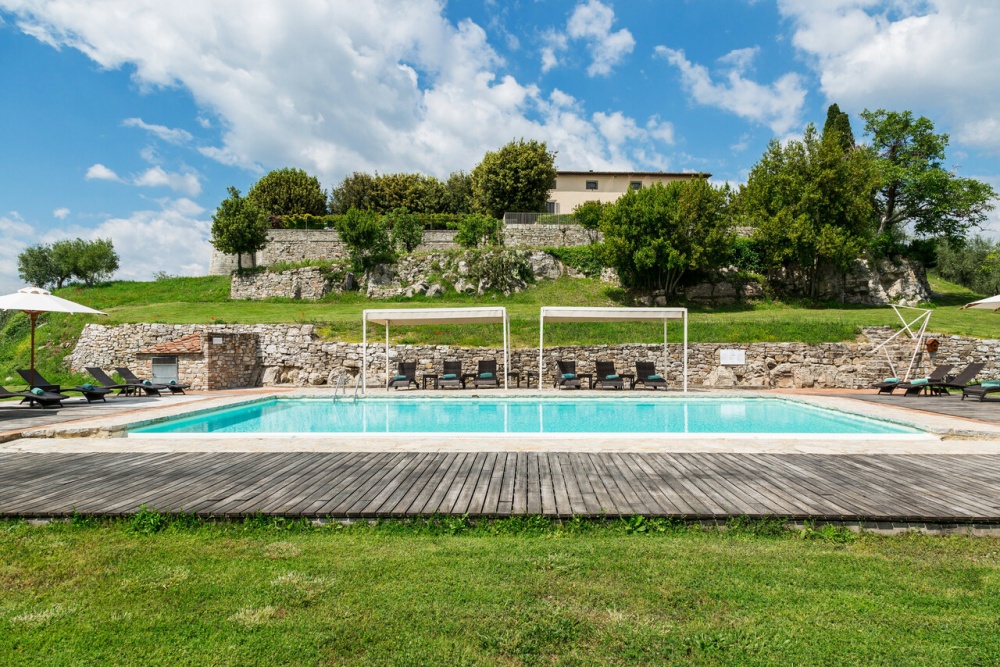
(839, 123)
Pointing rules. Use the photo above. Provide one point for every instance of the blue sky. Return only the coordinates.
(129, 119)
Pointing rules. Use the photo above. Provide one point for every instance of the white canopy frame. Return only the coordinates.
(584, 314)
(923, 319)
(415, 316)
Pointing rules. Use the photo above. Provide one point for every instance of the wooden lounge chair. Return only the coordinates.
(486, 375)
(959, 382)
(981, 390)
(451, 377)
(645, 372)
(887, 387)
(567, 378)
(90, 392)
(607, 377)
(108, 383)
(406, 374)
(46, 399)
(130, 377)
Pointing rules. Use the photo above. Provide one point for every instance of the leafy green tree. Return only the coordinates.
(655, 235)
(288, 192)
(914, 189)
(458, 193)
(94, 260)
(35, 265)
(838, 124)
(64, 254)
(356, 191)
(810, 204)
(974, 264)
(518, 177)
(239, 227)
(406, 230)
(367, 239)
(475, 230)
(383, 193)
(588, 215)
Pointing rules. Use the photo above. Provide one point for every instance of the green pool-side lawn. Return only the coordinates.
(524, 592)
(206, 301)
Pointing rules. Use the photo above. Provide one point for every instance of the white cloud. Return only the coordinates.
(15, 236)
(590, 23)
(779, 105)
(334, 87)
(61, 213)
(98, 172)
(185, 183)
(168, 134)
(933, 57)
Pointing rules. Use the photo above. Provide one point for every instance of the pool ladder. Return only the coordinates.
(341, 382)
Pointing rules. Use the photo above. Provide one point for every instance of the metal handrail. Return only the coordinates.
(341, 382)
(357, 384)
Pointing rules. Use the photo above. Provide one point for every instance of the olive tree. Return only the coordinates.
(288, 192)
(518, 177)
(239, 227)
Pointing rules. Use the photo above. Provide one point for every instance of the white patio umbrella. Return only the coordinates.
(34, 301)
(992, 303)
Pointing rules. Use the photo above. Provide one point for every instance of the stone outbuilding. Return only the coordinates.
(204, 360)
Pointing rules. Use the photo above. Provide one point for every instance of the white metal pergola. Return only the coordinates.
(416, 316)
(583, 314)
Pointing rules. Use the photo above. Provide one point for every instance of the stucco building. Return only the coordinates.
(576, 187)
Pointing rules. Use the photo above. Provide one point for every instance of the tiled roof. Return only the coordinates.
(190, 344)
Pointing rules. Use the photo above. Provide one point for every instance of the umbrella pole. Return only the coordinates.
(32, 317)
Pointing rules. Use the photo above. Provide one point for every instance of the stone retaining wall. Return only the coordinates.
(305, 283)
(294, 245)
(294, 354)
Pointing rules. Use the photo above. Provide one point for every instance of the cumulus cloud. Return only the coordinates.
(168, 134)
(15, 236)
(60, 213)
(778, 105)
(185, 183)
(98, 172)
(937, 56)
(335, 87)
(590, 23)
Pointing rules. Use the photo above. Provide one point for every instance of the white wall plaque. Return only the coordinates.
(733, 357)
(216, 341)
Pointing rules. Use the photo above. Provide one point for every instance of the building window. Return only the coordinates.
(551, 207)
(591, 185)
(635, 185)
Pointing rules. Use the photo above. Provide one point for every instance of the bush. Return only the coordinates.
(584, 258)
(367, 240)
(407, 232)
(745, 256)
(974, 264)
(425, 220)
(500, 270)
(475, 230)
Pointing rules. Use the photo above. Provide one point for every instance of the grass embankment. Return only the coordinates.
(206, 301)
(516, 592)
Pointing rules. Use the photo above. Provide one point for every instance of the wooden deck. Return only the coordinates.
(898, 488)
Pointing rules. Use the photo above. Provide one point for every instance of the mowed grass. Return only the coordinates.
(338, 317)
(522, 592)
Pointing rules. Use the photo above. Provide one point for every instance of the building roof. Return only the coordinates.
(189, 344)
(662, 174)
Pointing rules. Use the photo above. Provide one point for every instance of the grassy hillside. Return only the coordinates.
(206, 301)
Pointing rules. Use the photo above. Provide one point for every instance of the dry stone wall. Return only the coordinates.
(305, 283)
(294, 354)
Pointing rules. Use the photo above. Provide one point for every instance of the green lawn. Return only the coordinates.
(525, 592)
(205, 300)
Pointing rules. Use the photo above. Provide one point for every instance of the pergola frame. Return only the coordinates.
(584, 314)
(414, 316)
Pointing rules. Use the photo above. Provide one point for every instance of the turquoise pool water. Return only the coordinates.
(528, 416)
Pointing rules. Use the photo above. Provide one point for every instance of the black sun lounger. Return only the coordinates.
(451, 377)
(607, 377)
(567, 378)
(130, 377)
(645, 372)
(406, 374)
(938, 387)
(46, 399)
(108, 383)
(939, 373)
(486, 375)
(90, 392)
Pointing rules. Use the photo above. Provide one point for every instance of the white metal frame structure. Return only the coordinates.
(923, 319)
(583, 314)
(414, 316)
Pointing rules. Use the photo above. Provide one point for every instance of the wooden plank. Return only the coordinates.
(505, 501)
(605, 500)
(546, 493)
(430, 483)
(427, 477)
(380, 487)
(468, 491)
(433, 505)
(478, 497)
(350, 495)
(660, 492)
(491, 502)
(403, 488)
(630, 497)
(581, 497)
(560, 489)
(520, 502)
(455, 490)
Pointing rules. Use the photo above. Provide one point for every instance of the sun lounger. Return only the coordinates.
(938, 387)
(567, 376)
(406, 374)
(486, 375)
(451, 377)
(645, 372)
(981, 390)
(45, 399)
(607, 377)
(108, 383)
(889, 385)
(90, 392)
(130, 377)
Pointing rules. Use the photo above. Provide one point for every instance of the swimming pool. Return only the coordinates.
(525, 416)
